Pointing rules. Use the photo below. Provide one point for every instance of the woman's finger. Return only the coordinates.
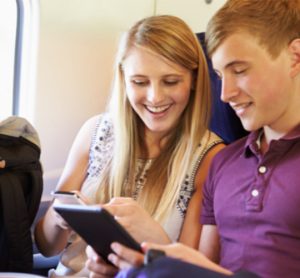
(120, 200)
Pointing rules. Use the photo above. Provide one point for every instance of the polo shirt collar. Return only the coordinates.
(252, 144)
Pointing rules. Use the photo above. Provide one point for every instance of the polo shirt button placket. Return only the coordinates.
(255, 201)
(262, 169)
(254, 192)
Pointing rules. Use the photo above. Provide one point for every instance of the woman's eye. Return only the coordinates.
(139, 82)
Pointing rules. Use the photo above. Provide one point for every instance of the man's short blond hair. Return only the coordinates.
(275, 23)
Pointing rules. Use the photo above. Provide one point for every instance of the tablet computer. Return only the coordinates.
(97, 227)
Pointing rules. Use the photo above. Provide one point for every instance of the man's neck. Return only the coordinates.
(268, 134)
(263, 144)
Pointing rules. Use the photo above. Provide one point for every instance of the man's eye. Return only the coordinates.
(171, 82)
(239, 71)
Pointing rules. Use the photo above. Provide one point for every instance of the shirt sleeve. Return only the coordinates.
(207, 212)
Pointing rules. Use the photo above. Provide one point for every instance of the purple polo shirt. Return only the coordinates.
(255, 202)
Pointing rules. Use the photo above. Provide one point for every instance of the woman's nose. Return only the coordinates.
(155, 94)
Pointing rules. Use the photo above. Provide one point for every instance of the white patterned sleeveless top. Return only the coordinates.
(73, 258)
(101, 151)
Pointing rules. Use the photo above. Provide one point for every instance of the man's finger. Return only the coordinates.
(118, 262)
(101, 268)
(96, 264)
(133, 257)
(149, 245)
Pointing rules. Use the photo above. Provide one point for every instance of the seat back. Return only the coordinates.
(21, 186)
(224, 122)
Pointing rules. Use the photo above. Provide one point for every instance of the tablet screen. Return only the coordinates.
(97, 227)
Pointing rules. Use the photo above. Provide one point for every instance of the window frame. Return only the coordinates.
(25, 63)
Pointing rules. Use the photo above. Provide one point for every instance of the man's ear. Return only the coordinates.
(294, 48)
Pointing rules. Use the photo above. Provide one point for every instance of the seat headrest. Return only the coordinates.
(224, 122)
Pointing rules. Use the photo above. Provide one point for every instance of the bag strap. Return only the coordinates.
(16, 225)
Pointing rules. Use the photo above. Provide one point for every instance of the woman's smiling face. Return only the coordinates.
(158, 89)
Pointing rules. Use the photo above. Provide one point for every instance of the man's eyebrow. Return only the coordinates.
(235, 63)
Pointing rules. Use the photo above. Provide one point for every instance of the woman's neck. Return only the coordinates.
(154, 143)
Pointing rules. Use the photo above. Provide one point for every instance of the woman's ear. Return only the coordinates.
(294, 48)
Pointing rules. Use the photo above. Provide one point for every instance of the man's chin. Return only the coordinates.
(250, 126)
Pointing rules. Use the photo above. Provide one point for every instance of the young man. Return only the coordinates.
(252, 195)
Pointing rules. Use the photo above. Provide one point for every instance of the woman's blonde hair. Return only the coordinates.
(169, 37)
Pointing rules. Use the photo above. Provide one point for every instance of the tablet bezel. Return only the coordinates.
(97, 227)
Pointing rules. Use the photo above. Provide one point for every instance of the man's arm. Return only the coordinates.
(125, 258)
(208, 256)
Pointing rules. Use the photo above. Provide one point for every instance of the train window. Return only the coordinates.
(18, 50)
(8, 23)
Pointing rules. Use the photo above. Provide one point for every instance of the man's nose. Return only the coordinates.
(229, 89)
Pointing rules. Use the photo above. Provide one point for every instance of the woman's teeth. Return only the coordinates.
(158, 109)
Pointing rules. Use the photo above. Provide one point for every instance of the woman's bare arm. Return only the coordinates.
(51, 236)
(191, 229)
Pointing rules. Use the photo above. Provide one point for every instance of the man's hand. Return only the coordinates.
(124, 258)
(187, 254)
(97, 266)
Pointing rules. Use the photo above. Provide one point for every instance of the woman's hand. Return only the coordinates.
(136, 220)
(97, 266)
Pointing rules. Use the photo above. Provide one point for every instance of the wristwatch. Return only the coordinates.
(153, 254)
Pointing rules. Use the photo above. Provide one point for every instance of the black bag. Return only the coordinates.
(21, 186)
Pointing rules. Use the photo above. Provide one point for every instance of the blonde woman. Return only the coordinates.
(152, 145)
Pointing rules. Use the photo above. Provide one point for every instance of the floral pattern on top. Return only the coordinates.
(102, 149)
